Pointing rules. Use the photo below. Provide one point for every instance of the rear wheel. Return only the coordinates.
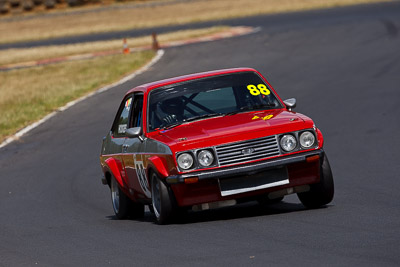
(162, 200)
(123, 206)
(321, 193)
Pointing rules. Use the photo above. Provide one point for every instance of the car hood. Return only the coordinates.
(232, 128)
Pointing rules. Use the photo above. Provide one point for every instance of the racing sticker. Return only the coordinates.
(142, 178)
(122, 128)
(128, 104)
(263, 118)
(259, 89)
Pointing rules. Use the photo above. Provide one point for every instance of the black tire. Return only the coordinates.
(162, 200)
(321, 193)
(123, 206)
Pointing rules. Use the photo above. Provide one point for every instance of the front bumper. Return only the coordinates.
(274, 177)
(249, 169)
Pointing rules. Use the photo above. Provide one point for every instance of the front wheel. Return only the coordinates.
(162, 200)
(321, 193)
(123, 206)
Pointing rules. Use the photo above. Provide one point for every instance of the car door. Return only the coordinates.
(114, 141)
(133, 154)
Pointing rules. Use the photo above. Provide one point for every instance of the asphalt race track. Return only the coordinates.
(344, 70)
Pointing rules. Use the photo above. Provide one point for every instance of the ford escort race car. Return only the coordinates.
(210, 140)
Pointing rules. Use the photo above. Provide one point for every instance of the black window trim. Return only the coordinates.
(135, 95)
(120, 109)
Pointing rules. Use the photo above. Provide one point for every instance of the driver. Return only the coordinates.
(173, 108)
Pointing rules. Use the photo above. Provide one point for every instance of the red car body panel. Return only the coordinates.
(114, 166)
(159, 164)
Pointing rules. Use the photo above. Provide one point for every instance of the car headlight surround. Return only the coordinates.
(185, 161)
(307, 139)
(288, 142)
(205, 158)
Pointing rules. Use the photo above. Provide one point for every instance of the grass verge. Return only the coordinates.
(44, 89)
(112, 19)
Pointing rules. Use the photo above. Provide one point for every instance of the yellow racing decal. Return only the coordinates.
(267, 117)
(260, 89)
(263, 118)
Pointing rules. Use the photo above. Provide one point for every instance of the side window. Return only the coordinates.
(121, 122)
(137, 112)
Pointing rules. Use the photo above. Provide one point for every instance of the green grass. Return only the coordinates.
(27, 95)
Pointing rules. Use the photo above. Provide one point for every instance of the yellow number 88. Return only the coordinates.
(260, 89)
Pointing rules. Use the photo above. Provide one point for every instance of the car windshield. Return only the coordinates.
(223, 95)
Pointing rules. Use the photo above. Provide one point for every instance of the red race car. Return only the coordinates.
(210, 140)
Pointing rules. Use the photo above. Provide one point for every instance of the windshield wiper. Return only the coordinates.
(203, 116)
(172, 125)
(247, 108)
(191, 119)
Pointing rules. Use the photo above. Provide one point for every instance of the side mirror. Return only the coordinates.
(133, 132)
(290, 103)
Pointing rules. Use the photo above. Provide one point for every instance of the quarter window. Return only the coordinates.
(137, 112)
(121, 124)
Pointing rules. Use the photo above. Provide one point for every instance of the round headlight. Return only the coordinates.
(205, 158)
(185, 161)
(288, 142)
(307, 139)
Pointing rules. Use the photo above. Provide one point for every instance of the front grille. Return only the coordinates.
(248, 150)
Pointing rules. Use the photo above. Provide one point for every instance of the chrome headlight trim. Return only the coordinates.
(307, 139)
(205, 158)
(185, 161)
(288, 142)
